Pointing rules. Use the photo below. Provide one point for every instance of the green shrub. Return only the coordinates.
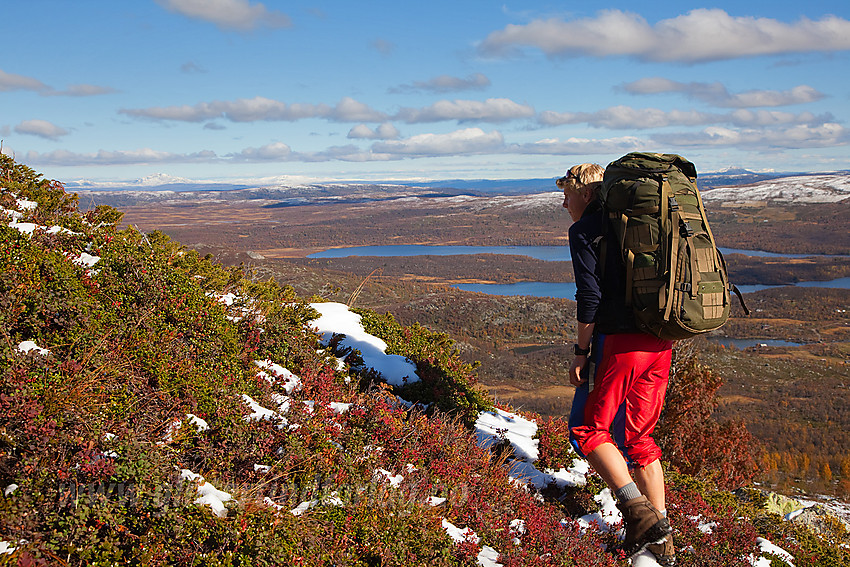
(96, 431)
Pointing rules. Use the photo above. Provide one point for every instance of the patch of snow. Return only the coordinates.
(825, 188)
(707, 527)
(303, 507)
(487, 557)
(14, 215)
(767, 547)
(492, 426)
(337, 318)
(29, 228)
(209, 494)
(259, 412)
(85, 259)
(27, 346)
(460, 535)
(394, 480)
(201, 424)
(271, 372)
(608, 516)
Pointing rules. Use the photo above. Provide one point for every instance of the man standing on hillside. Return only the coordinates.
(623, 381)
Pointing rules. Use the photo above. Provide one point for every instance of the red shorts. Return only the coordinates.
(631, 378)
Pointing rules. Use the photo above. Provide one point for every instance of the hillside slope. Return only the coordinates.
(157, 409)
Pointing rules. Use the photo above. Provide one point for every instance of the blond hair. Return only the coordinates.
(584, 176)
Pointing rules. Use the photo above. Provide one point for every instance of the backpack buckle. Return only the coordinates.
(674, 206)
(685, 230)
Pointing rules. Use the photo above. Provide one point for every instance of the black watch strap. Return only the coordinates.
(580, 351)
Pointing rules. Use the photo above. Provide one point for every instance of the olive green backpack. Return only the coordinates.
(676, 280)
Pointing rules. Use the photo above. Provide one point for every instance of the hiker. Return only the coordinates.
(621, 375)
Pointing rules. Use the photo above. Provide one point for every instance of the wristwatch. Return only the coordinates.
(580, 351)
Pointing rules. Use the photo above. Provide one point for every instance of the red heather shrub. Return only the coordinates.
(691, 440)
(554, 449)
(726, 538)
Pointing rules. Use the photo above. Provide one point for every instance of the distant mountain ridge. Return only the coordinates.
(734, 185)
(811, 188)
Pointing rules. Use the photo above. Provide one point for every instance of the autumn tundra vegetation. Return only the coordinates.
(130, 371)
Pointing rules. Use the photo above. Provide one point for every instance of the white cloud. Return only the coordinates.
(347, 153)
(385, 131)
(41, 128)
(490, 110)
(12, 82)
(445, 84)
(239, 15)
(281, 152)
(751, 118)
(277, 151)
(698, 36)
(81, 90)
(461, 142)
(794, 137)
(350, 110)
(716, 94)
(259, 109)
(106, 157)
(580, 146)
(626, 117)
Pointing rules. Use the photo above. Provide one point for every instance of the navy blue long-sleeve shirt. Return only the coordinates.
(600, 294)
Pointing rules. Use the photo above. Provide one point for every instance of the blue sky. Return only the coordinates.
(340, 90)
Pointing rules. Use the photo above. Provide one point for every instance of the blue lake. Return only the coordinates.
(564, 290)
(747, 343)
(548, 253)
(568, 289)
(840, 283)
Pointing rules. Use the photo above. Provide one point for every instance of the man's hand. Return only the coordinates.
(575, 370)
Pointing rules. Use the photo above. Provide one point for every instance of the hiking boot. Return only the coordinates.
(644, 525)
(665, 553)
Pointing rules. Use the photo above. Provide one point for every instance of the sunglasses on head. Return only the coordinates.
(567, 177)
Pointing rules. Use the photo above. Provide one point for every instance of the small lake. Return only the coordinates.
(564, 290)
(741, 344)
(568, 289)
(547, 253)
(840, 283)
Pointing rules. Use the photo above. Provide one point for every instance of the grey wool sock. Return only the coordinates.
(627, 492)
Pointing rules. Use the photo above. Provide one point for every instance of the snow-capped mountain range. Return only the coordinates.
(822, 188)
(732, 185)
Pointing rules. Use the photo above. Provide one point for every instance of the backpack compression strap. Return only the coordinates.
(668, 202)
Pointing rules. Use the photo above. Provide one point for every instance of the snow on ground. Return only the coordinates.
(209, 495)
(27, 346)
(336, 318)
(486, 557)
(85, 259)
(798, 189)
(275, 372)
(492, 427)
